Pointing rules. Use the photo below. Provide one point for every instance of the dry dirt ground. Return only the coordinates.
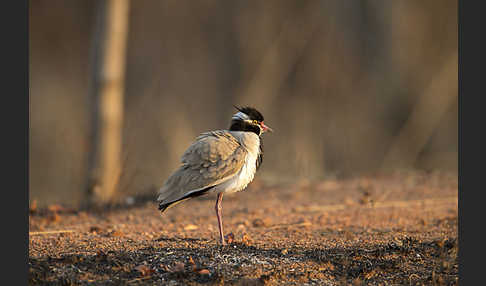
(395, 230)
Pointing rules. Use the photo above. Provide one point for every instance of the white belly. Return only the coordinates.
(240, 180)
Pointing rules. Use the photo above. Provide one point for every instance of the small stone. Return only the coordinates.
(129, 201)
(115, 233)
(95, 229)
(191, 227)
(204, 272)
(178, 267)
(259, 222)
(246, 239)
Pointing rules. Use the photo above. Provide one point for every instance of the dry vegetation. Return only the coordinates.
(399, 229)
(348, 87)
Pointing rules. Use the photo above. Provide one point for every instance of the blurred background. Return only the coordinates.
(350, 87)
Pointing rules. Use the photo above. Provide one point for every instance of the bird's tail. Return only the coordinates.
(163, 207)
(163, 204)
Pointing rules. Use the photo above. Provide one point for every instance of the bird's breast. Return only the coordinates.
(241, 179)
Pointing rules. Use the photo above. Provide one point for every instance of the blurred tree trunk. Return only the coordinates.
(110, 38)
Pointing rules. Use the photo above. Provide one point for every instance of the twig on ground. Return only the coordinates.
(49, 232)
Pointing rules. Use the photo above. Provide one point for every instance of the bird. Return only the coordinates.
(219, 161)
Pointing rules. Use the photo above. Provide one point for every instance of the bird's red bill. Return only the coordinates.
(265, 127)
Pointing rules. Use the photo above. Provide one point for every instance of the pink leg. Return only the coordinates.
(218, 209)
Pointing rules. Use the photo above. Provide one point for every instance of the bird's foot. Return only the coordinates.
(230, 237)
(227, 239)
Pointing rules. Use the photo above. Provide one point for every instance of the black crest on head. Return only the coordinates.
(251, 112)
(242, 125)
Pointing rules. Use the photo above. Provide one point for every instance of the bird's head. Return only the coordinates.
(248, 119)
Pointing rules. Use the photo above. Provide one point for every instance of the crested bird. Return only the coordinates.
(220, 161)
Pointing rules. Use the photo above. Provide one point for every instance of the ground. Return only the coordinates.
(399, 229)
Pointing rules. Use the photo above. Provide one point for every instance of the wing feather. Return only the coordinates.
(212, 159)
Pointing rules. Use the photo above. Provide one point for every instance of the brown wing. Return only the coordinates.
(212, 159)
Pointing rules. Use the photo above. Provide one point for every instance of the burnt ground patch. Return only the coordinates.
(332, 233)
